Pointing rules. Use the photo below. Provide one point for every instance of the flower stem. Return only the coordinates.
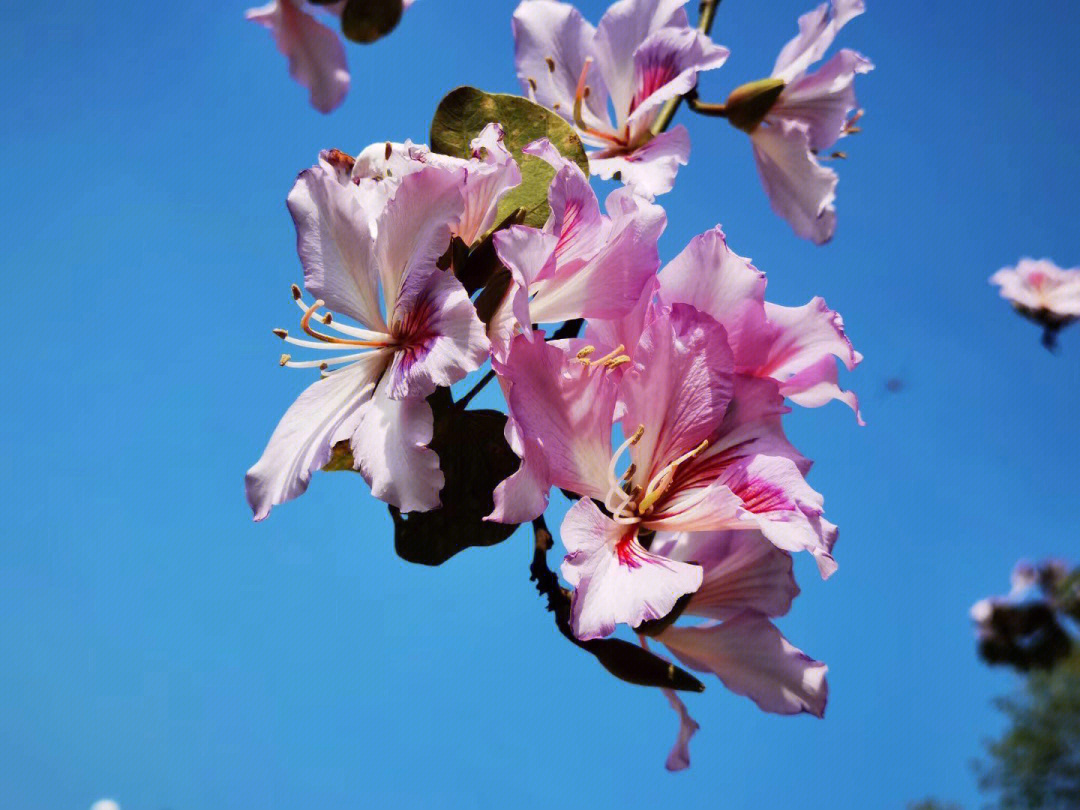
(707, 14)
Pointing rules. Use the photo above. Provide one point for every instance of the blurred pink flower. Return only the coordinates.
(1042, 292)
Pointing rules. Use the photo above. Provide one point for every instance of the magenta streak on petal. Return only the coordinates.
(626, 550)
(760, 496)
(571, 224)
(705, 469)
(414, 333)
(660, 70)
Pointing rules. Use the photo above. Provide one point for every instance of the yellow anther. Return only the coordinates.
(585, 352)
(285, 358)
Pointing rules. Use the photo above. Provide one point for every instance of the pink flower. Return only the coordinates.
(315, 53)
(1042, 292)
(707, 452)
(796, 346)
(583, 263)
(812, 112)
(429, 336)
(746, 580)
(642, 53)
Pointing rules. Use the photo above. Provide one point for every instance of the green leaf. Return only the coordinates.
(474, 457)
(464, 112)
(368, 20)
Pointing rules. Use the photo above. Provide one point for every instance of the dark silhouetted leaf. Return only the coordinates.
(368, 20)
(466, 111)
(474, 457)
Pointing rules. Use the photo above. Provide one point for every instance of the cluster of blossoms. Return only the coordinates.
(1026, 628)
(1042, 292)
(638, 62)
(663, 421)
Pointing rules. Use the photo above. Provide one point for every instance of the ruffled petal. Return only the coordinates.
(326, 413)
(800, 189)
(623, 28)
(615, 580)
(315, 53)
(743, 571)
(389, 445)
(524, 495)
(787, 510)
(824, 99)
(414, 229)
(490, 176)
(802, 345)
(666, 65)
(650, 170)
(566, 407)
(753, 659)
(334, 243)
(710, 276)
(610, 283)
(817, 30)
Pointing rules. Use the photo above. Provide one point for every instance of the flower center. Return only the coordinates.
(627, 503)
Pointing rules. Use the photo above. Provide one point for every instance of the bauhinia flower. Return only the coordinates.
(797, 115)
(315, 53)
(419, 333)
(746, 580)
(707, 452)
(583, 263)
(642, 53)
(1042, 292)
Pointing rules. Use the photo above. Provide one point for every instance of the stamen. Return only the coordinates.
(550, 63)
(584, 353)
(322, 364)
(614, 485)
(285, 358)
(662, 480)
(607, 358)
(579, 95)
(389, 150)
(305, 324)
(615, 362)
(281, 333)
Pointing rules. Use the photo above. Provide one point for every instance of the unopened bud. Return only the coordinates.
(749, 103)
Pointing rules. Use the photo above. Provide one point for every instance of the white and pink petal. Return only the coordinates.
(753, 659)
(615, 580)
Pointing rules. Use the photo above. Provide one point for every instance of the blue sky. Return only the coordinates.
(160, 648)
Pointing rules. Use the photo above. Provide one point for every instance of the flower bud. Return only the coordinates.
(749, 103)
